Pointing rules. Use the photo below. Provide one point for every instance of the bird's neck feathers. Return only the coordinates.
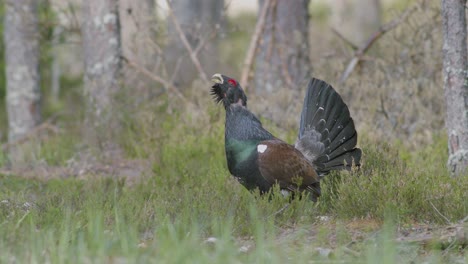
(241, 124)
(239, 103)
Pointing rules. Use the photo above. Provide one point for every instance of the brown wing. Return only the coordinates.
(281, 163)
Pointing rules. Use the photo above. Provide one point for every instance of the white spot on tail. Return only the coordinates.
(261, 148)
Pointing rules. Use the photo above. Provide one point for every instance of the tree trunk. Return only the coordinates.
(138, 20)
(283, 54)
(55, 69)
(198, 19)
(21, 37)
(456, 83)
(102, 56)
(137, 24)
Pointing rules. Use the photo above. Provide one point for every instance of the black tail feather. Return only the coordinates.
(325, 113)
(344, 161)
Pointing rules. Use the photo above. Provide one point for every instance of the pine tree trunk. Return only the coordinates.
(456, 83)
(21, 37)
(283, 54)
(102, 56)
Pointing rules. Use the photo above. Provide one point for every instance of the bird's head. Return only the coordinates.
(227, 90)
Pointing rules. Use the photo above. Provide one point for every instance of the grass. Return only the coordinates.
(188, 201)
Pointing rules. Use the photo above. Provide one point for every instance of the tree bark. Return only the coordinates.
(55, 68)
(21, 37)
(455, 74)
(283, 54)
(138, 20)
(137, 24)
(102, 56)
(198, 19)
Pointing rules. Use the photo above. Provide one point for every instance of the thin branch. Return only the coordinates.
(148, 38)
(464, 219)
(351, 252)
(272, 34)
(382, 108)
(186, 43)
(46, 125)
(377, 35)
(284, 69)
(347, 41)
(279, 211)
(254, 44)
(176, 70)
(451, 235)
(154, 77)
(439, 213)
(203, 41)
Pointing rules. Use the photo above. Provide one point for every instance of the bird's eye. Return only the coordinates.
(232, 82)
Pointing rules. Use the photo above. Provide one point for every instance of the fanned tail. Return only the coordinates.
(327, 136)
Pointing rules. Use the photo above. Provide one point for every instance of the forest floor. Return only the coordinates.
(290, 233)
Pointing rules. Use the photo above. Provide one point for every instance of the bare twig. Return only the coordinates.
(254, 44)
(377, 35)
(176, 70)
(347, 41)
(156, 78)
(279, 211)
(351, 252)
(465, 219)
(382, 108)
(439, 213)
(186, 43)
(148, 39)
(46, 125)
(284, 69)
(273, 35)
(201, 45)
(203, 41)
(449, 236)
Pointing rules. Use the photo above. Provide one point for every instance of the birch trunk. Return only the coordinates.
(102, 56)
(21, 39)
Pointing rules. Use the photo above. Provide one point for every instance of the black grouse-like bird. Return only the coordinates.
(326, 141)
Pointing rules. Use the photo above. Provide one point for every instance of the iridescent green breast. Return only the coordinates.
(240, 150)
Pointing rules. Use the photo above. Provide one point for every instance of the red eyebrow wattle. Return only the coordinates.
(232, 82)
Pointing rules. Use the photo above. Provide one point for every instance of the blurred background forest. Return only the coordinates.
(394, 92)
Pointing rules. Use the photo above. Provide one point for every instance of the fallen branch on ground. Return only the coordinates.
(447, 236)
(439, 213)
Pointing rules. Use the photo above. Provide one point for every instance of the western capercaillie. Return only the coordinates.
(326, 141)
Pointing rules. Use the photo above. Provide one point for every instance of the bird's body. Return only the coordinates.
(326, 141)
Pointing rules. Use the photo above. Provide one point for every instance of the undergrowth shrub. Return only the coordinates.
(415, 189)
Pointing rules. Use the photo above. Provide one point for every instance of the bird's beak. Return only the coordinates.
(217, 78)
